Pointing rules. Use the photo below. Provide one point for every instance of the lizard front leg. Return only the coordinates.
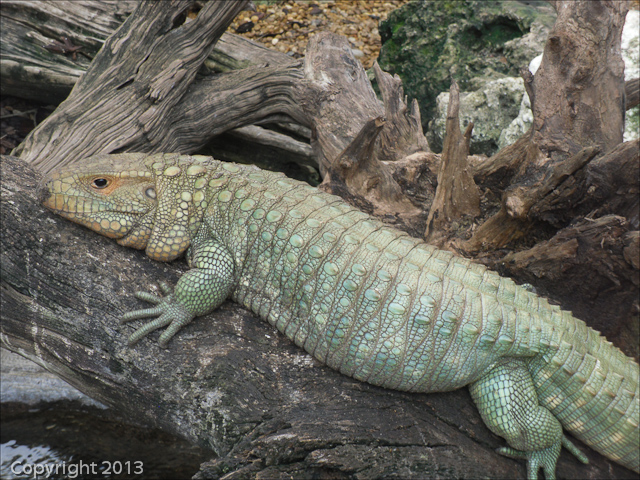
(199, 291)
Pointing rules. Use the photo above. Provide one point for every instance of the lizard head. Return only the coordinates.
(113, 195)
(154, 202)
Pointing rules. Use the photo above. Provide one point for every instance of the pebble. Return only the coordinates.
(287, 26)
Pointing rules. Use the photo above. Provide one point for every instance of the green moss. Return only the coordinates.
(632, 124)
(428, 43)
(392, 48)
(397, 27)
(500, 32)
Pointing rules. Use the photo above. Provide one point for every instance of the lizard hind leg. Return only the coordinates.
(508, 404)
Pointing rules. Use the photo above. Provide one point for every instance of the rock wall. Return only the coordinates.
(428, 43)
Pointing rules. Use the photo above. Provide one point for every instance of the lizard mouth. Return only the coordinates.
(83, 211)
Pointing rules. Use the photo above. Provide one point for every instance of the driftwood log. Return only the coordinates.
(577, 98)
(30, 68)
(567, 223)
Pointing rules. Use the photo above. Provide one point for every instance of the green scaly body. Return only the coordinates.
(362, 297)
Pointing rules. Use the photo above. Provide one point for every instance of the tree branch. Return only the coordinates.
(340, 103)
(142, 72)
(577, 101)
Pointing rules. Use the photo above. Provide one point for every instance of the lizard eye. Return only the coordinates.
(100, 183)
(150, 192)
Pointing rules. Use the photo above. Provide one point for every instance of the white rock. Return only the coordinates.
(631, 45)
(534, 65)
(491, 109)
(631, 57)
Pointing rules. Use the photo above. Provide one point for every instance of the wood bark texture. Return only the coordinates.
(138, 77)
(353, 131)
(28, 69)
(457, 195)
(632, 93)
(230, 382)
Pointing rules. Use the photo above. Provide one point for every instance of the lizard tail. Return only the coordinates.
(591, 387)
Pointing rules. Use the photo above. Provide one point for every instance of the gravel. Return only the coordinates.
(287, 25)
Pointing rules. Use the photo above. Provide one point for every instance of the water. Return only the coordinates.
(58, 443)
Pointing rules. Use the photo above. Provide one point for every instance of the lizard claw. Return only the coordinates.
(149, 297)
(166, 288)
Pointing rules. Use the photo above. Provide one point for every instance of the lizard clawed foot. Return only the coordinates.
(169, 312)
(545, 459)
